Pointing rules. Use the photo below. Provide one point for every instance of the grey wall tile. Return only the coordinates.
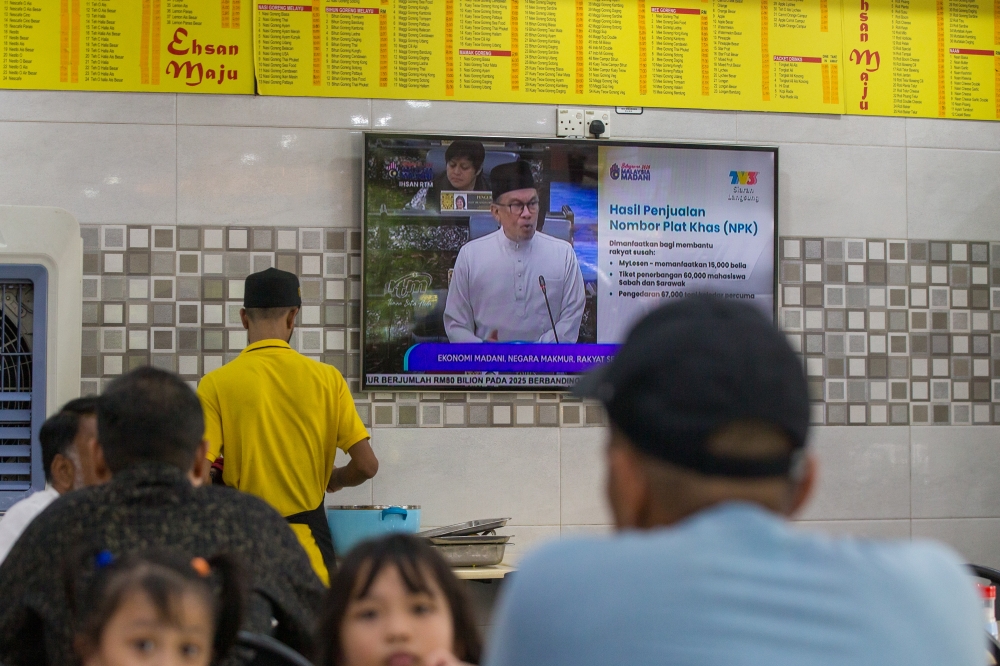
(268, 176)
(953, 194)
(863, 473)
(257, 111)
(102, 174)
(820, 128)
(858, 190)
(954, 472)
(976, 539)
(464, 117)
(676, 125)
(582, 471)
(470, 473)
(72, 106)
(941, 133)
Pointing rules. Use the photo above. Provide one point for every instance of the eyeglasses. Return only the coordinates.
(517, 207)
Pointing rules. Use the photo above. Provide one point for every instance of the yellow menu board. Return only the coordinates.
(126, 45)
(777, 55)
(927, 58)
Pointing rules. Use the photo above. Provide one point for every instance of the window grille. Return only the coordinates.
(22, 380)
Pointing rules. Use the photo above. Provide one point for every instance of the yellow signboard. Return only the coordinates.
(127, 45)
(777, 55)
(926, 58)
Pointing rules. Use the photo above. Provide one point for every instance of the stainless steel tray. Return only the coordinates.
(471, 539)
(462, 529)
(472, 555)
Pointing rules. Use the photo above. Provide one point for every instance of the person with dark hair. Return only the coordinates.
(279, 418)
(67, 439)
(150, 440)
(463, 172)
(396, 601)
(157, 608)
(706, 459)
(515, 285)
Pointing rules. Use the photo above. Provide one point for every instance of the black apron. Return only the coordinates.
(320, 529)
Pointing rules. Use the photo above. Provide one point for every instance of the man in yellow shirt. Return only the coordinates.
(280, 418)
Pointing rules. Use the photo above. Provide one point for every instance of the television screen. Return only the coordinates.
(518, 264)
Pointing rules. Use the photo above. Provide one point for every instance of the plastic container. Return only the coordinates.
(350, 525)
(989, 595)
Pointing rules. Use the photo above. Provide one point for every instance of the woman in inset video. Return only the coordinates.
(463, 172)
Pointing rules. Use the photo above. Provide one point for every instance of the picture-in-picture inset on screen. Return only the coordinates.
(517, 264)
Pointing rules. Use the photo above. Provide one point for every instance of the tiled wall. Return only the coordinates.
(171, 297)
(185, 166)
(895, 331)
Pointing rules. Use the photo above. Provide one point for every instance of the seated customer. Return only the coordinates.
(149, 428)
(706, 460)
(67, 439)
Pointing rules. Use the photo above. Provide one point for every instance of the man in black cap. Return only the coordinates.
(515, 285)
(707, 457)
(280, 418)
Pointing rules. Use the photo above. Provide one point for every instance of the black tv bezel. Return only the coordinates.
(374, 135)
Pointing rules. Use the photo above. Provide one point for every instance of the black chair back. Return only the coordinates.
(263, 650)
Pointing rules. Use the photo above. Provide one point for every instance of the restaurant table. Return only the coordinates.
(483, 573)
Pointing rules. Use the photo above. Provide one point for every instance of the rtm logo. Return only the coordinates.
(743, 177)
(868, 56)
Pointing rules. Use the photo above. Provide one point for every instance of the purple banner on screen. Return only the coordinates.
(505, 357)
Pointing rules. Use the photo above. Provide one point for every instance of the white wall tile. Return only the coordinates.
(676, 124)
(268, 176)
(569, 531)
(954, 472)
(582, 474)
(820, 128)
(465, 474)
(942, 133)
(842, 190)
(464, 117)
(257, 111)
(88, 107)
(102, 174)
(953, 194)
(868, 529)
(976, 539)
(863, 473)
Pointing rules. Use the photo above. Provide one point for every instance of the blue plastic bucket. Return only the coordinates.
(351, 525)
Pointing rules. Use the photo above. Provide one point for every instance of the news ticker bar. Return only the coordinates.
(542, 358)
(461, 381)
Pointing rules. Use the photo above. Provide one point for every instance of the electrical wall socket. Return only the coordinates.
(570, 122)
(604, 115)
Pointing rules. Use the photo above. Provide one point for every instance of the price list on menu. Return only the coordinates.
(923, 58)
(126, 45)
(781, 55)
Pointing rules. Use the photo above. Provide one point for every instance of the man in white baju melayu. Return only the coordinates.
(495, 294)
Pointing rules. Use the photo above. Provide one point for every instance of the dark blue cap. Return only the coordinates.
(694, 366)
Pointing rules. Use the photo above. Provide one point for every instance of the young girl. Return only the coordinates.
(158, 608)
(395, 602)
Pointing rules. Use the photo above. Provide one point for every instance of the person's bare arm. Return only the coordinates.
(362, 466)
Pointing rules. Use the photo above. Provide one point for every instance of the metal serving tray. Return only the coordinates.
(469, 540)
(462, 529)
(473, 554)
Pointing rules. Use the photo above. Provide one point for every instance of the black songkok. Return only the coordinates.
(272, 289)
(511, 176)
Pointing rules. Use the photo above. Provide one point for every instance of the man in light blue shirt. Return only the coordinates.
(706, 459)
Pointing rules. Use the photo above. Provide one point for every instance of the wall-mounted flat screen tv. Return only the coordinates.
(519, 263)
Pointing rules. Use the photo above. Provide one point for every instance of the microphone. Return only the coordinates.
(541, 283)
